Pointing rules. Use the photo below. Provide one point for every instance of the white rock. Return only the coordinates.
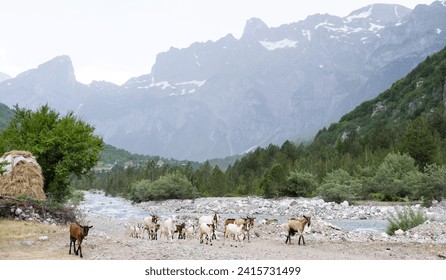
(43, 238)
(18, 211)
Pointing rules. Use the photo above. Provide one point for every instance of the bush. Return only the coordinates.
(405, 220)
(171, 186)
(433, 184)
(76, 196)
(338, 186)
(396, 177)
(301, 184)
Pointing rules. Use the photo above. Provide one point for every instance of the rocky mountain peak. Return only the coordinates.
(255, 29)
(382, 14)
(227, 97)
(59, 67)
(55, 73)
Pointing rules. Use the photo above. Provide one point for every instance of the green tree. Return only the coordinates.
(419, 142)
(433, 183)
(338, 186)
(301, 183)
(63, 146)
(382, 136)
(170, 186)
(202, 178)
(397, 177)
(274, 181)
(218, 182)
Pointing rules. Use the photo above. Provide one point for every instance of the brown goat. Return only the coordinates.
(297, 225)
(78, 232)
(181, 230)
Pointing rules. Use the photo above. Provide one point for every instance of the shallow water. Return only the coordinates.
(123, 209)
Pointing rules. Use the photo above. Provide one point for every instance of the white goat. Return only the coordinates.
(248, 221)
(135, 231)
(206, 230)
(150, 224)
(190, 231)
(167, 228)
(234, 231)
(210, 219)
(297, 225)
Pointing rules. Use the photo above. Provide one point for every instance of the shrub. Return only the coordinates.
(396, 177)
(301, 184)
(76, 196)
(433, 184)
(338, 186)
(171, 186)
(405, 220)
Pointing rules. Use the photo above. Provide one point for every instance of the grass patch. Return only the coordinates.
(405, 220)
(20, 230)
(76, 197)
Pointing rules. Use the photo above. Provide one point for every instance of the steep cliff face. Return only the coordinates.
(215, 99)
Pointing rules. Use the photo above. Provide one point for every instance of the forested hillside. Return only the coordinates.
(6, 115)
(390, 148)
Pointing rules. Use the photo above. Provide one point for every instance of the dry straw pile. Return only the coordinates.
(22, 175)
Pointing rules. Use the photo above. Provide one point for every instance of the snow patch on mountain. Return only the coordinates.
(285, 43)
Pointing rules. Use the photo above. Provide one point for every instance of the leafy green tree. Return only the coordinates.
(274, 181)
(218, 182)
(139, 189)
(349, 144)
(202, 178)
(301, 183)
(338, 186)
(419, 143)
(397, 177)
(433, 183)
(6, 116)
(170, 186)
(382, 136)
(366, 176)
(63, 146)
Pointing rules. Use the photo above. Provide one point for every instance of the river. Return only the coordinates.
(123, 209)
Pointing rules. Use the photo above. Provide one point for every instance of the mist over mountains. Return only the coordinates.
(221, 98)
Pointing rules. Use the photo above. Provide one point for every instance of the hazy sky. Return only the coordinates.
(115, 40)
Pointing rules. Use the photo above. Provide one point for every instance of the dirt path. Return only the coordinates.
(108, 241)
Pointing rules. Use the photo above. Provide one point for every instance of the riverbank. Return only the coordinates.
(111, 218)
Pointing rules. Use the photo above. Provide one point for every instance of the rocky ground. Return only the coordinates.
(109, 238)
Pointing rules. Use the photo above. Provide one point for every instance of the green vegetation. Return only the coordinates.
(170, 186)
(391, 148)
(63, 146)
(405, 220)
(6, 116)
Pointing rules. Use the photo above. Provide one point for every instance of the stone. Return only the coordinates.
(18, 211)
(43, 238)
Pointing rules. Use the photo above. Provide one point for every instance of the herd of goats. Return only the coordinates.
(234, 229)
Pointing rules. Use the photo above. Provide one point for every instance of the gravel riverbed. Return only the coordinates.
(111, 218)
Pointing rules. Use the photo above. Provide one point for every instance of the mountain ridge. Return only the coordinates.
(222, 98)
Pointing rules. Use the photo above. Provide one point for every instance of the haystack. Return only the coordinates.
(22, 175)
